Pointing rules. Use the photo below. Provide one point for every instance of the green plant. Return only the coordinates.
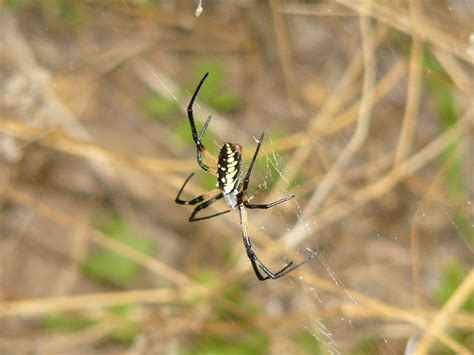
(64, 322)
(445, 103)
(159, 107)
(109, 266)
(214, 92)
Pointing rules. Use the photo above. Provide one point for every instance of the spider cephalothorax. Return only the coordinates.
(232, 189)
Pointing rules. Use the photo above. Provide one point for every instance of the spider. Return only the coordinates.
(232, 189)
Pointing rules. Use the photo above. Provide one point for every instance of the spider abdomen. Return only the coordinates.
(229, 167)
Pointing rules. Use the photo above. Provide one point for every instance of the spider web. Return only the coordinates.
(330, 139)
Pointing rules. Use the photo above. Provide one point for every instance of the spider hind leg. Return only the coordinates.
(258, 266)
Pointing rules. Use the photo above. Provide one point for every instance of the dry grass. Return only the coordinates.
(369, 119)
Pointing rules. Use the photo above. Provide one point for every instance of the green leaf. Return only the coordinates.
(109, 266)
(64, 322)
(126, 328)
(13, 4)
(451, 278)
(213, 91)
(223, 102)
(208, 181)
(235, 293)
(206, 277)
(445, 103)
(366, 346)
(254, 342)
(159, 107)
(308, 343)
(125, 332)
(182, 132)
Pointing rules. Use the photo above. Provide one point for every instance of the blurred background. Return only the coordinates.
(367, 109)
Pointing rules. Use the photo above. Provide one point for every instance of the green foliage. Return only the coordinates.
(13, 4)
(63, 322)
(366, 346)
(124, 331)
(206, 277)
(182, 132)
(159, 107)
(208, 181)
(228, 249)
(446, 107)
(234, 293)
(126, 328)
(213, 91)
(53, 12)
(67, 10)
(245, 309)
(308, 343)
(451, 278)
(254, 342)
(268, 167)
(109, 266)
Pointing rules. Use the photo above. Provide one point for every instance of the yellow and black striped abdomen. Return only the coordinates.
(229, 167)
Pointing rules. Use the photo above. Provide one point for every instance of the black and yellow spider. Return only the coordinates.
(232, 189)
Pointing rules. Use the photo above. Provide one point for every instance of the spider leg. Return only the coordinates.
(285, 270)
(188, 202)
(204, 128)
(268, 205)
(205, 205)
(247, 180)
(211, 197)
(257, 265)
(206, 196)
(251, 255)
(247, 177)
(273, 275)
(204, 151)
(198, 138)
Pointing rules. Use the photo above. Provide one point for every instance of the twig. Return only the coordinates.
(284, 53)
(414, 91)
(387, 182)
(360, 134)
(57, 344)
(441, 320)
(154, 265)
(88, 150)
(95, 300)
(423, 30)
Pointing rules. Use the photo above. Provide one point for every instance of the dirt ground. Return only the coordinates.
(368, 115)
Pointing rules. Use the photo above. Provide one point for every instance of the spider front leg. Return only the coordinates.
(200, 149)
